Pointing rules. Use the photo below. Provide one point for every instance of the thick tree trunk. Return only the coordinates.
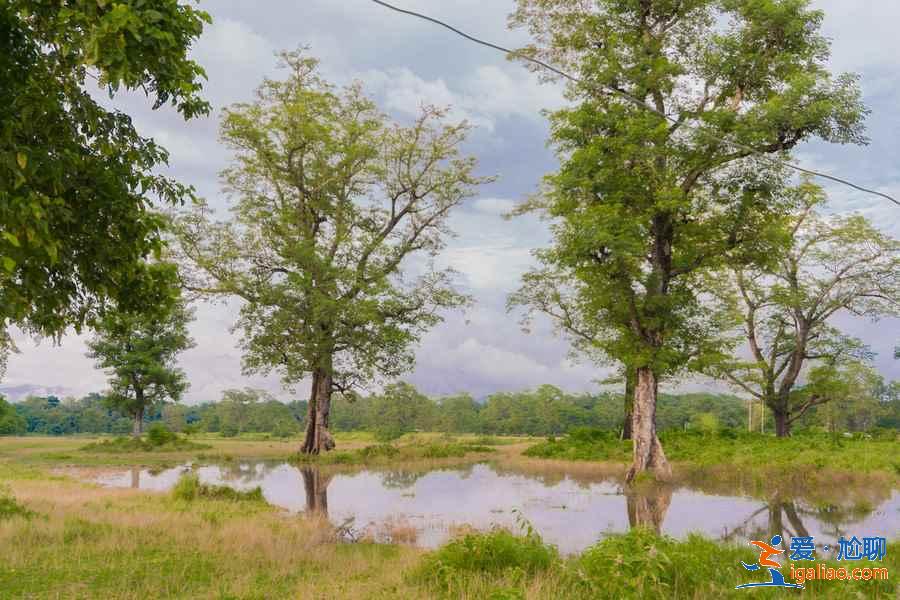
(138, 427)
(648, 452)
(629, 403)
(318, 438)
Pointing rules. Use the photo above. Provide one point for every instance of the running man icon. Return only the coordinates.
(765, 560)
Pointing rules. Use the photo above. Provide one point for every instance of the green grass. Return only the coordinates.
(124, 445)
(737, 449)
(638, 564)
(189, 488)
(9, 508)
(387, 453)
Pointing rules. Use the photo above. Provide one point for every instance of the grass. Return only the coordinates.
(737, 450)
(390, 453)
(189, 488)
(638, 564)
(128, 445)
(60, 538)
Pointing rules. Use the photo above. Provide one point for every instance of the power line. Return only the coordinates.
(636, 101)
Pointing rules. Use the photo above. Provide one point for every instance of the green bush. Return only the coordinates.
(498, 552)
(229, 430)
(159, 435)
(188, 488)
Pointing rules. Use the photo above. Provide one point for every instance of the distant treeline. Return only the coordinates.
(544, 411)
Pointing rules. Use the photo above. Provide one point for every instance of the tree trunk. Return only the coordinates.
(138, 427)
(648, 452)
(318, 438)
(629, 403)
(782, 423)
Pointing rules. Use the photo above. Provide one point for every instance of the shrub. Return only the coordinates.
(497, 552)
(229, 430)
(159, 435)
(188, 488)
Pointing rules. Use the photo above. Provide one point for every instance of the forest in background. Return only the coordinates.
(401, 408)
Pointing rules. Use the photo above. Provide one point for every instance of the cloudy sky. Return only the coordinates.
(403, 63)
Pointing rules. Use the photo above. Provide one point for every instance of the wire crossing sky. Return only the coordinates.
(636, 101)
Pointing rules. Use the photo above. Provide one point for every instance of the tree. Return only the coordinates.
(828, 266)
(139, 352)
(331, 200)
(847, 393)
(238, 405)
(401, 409)
(11, 423)
(642, 205)
(77, 182)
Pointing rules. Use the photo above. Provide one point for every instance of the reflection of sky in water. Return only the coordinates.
(568, 514)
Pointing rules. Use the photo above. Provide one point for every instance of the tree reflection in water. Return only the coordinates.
(135, 477)
(648, 505)
(315, 483)
(784, 516)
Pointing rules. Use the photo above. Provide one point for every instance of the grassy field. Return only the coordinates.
(61, 538)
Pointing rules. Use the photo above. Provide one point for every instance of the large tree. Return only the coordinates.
(648, 196)
(77, 181)
(331, 199)
(139, 351)
(786, 307)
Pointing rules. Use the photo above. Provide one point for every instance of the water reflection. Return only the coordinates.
(315, 482)
(426, 507)
(648, 505)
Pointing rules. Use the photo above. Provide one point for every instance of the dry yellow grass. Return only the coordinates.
(88, 541)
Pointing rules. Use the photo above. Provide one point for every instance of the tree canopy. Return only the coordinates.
(331, 198)
(643, 205)
(786, 306)
(139, 351)
(77, 181)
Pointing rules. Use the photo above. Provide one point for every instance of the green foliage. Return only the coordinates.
(162, 440)
(139, 351)
(189, 488)
(331, 197)
(9, 508)
(11, 422)
(496, 553)
(77, 181)
(642, 206)
(159, 435)
(386, 453)
(512, 413)
(705, 422)
(736, 447)
(785, 309)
